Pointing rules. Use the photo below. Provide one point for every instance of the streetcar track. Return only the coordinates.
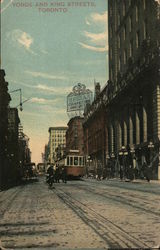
(111, 233)
(119, 199)
(112, 184)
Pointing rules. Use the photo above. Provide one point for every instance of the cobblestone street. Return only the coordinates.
(86, 214)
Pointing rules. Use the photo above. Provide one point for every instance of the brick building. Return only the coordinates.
(74, 135)
(95, 133)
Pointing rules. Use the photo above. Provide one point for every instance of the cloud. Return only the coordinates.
(96, 41)
(97, 18)
(56, 90)
(97, 49)
(98, 38)
(22, 38)
(5, 7)
(44, 51)
(46, 75)
(45, 101)
(100, 18)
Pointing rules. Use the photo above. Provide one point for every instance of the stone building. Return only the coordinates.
(133, 91)
(57, 136)
(74, 135)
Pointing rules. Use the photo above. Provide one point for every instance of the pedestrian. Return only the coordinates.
(50, 173)
(64, 174)
(121, 172)
(57, 174)
(146, 171)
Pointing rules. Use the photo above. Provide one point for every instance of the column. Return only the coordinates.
(144, 125)
(119, 136)
(125, 133)
(130, 130)
(156, 119)
(137, 129)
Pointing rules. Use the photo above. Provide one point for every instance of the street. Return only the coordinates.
(82, 214)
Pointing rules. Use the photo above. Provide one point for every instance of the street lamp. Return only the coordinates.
(89, 160)
(20, 103)
(123, 152)
(150, 147)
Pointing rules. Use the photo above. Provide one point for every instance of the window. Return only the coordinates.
(67, 160)
(76, 161)
(131, 49)
(130, 23)
(125, 56)
(111, 32)
(124, 33)
(80, 161)
(145, 30)
(119, 41)
(137, 39)
(136, 14)
(144, 4)
(111, 54)
(119, 64)
(71, 160)
(124, 8)
(110, 12)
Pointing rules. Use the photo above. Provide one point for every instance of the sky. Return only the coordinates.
(46, 53)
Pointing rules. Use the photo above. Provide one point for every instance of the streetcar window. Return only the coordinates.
(67, 161)
(71, 160)
(75, 161)
(80, 161)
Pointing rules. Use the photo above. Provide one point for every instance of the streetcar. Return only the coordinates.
(74, 164)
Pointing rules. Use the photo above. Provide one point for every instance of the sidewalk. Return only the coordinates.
(126, 180)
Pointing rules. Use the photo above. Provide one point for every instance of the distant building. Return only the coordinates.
(60, 151)
(13, 147)
(74, 135)
(57, 136)
(24, 151)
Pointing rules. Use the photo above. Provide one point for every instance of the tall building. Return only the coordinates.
(133, 106)
(57, 136)
(4, 103)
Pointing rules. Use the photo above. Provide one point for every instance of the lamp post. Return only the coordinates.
(89, 160)
(113, 166)
(150, 147)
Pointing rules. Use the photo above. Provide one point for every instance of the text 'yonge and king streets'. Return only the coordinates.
(52, 6)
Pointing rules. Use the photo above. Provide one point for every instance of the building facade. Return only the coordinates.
(95, 134)
(13, 145)
(74, 135)
(4, 104)
(57, 136)
(133, 91)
